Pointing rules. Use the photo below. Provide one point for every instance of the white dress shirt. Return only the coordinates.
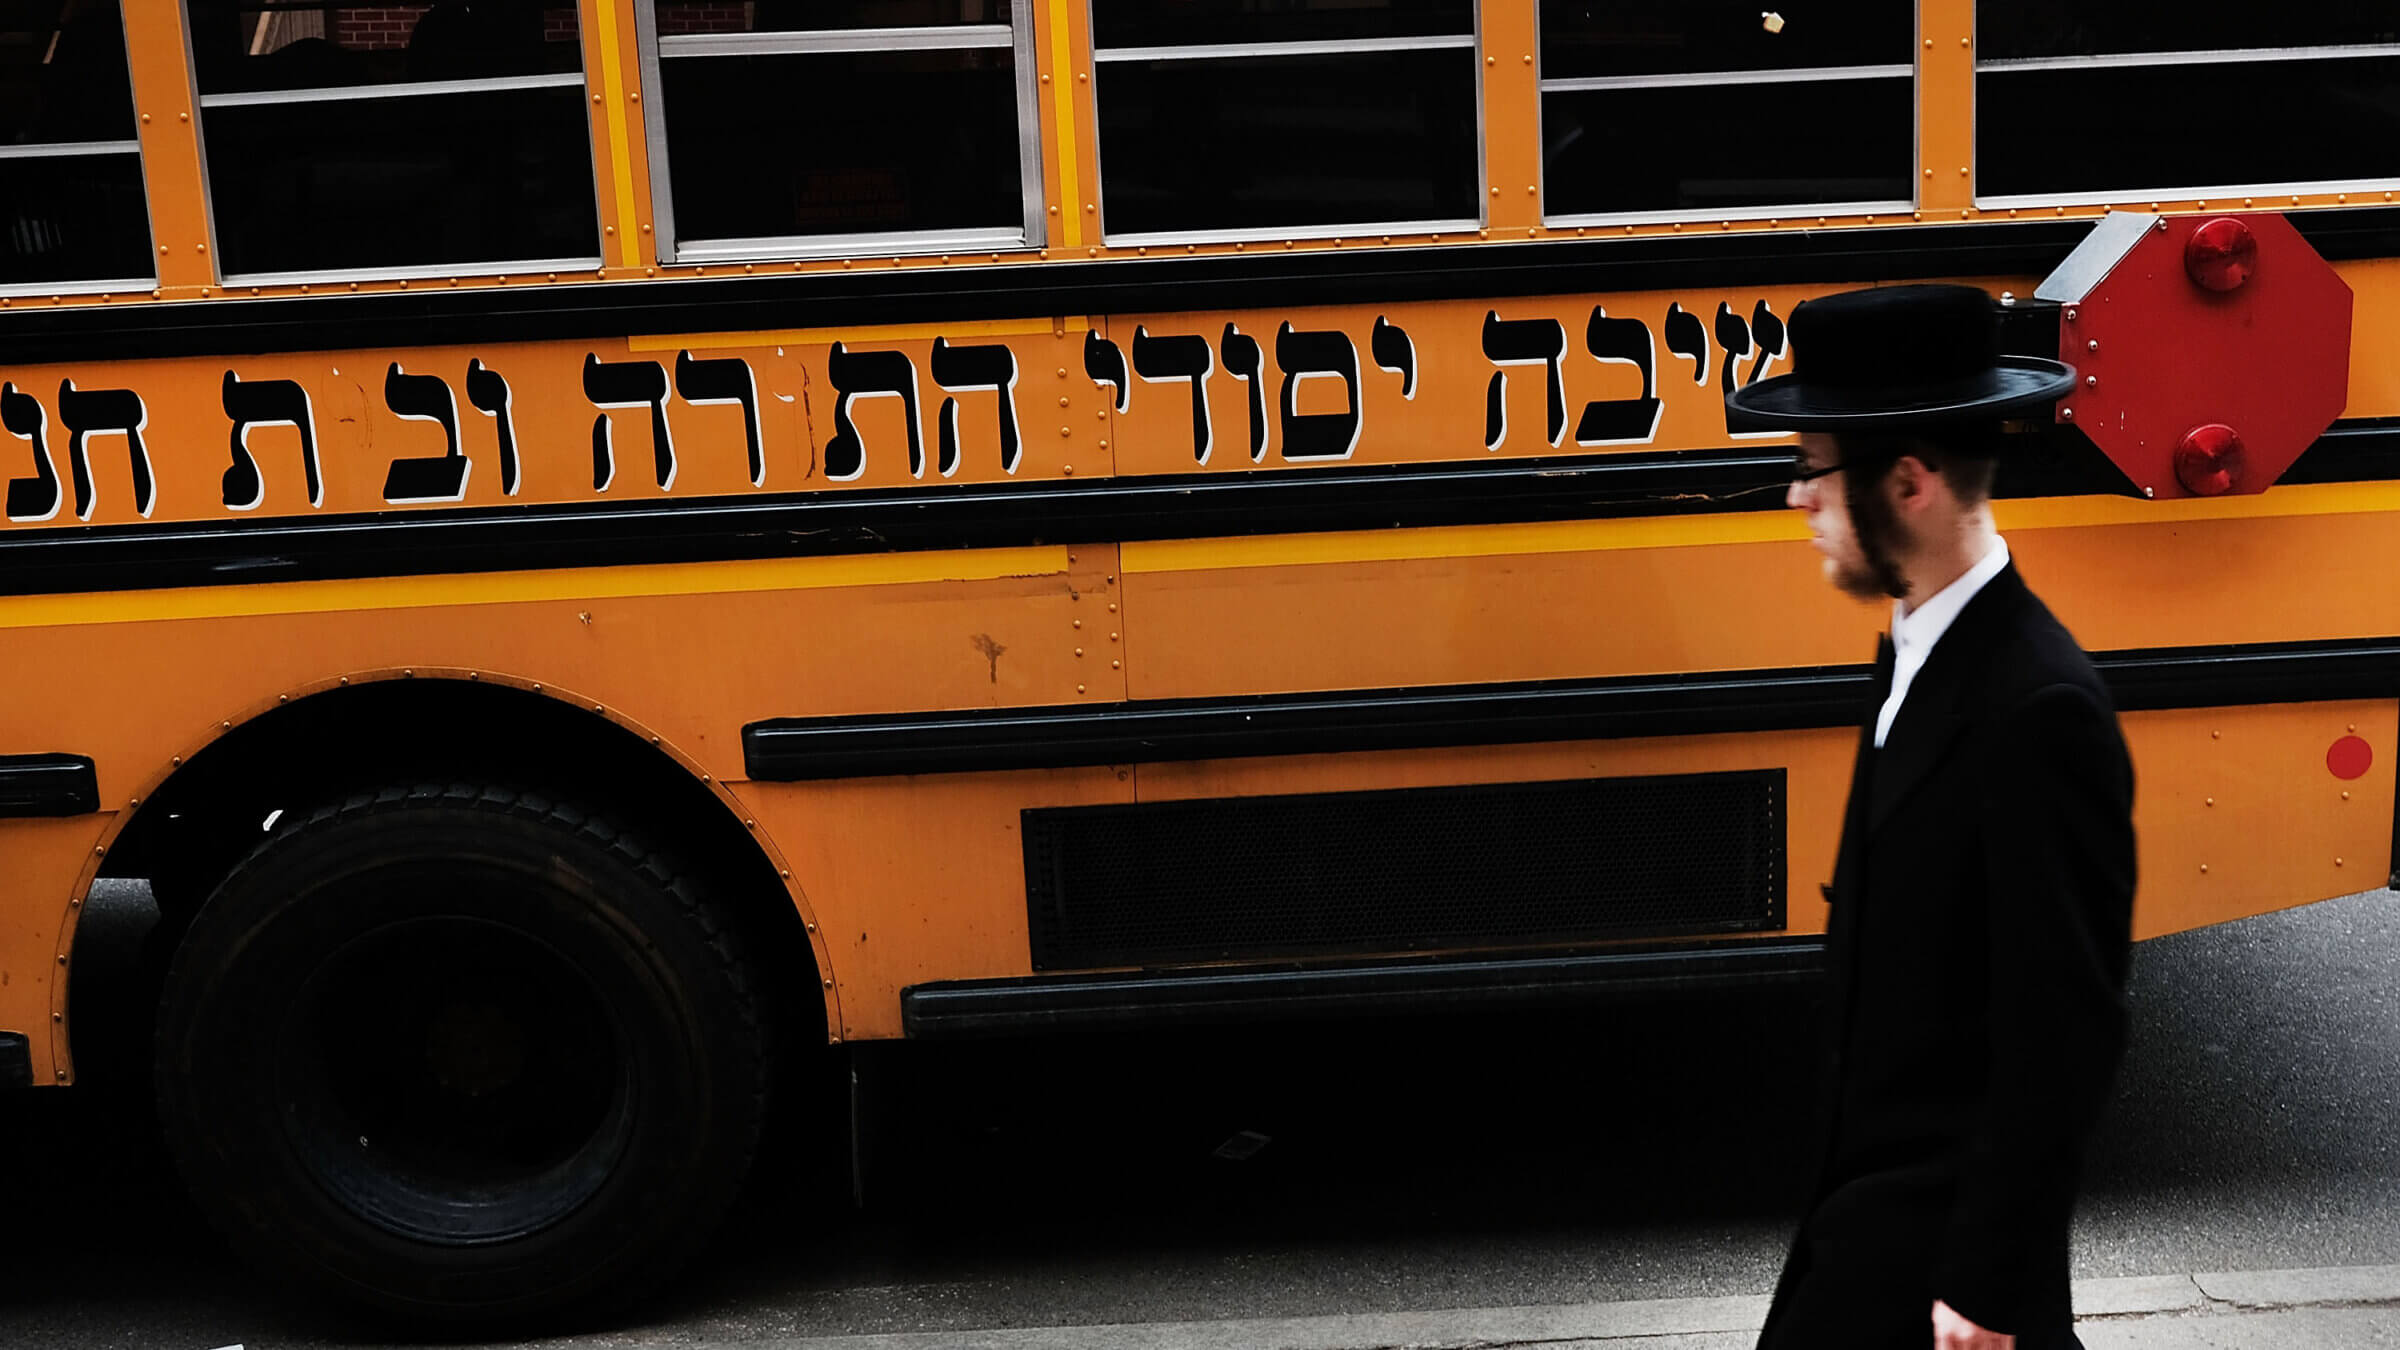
(1914, 631)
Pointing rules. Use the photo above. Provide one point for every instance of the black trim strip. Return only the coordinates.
(16, 1060)
(1111, 1002)
(1105, 510)
(47, 785)
(798, 749)
(1558, 266)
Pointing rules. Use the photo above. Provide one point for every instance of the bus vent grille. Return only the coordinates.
(1413, 869)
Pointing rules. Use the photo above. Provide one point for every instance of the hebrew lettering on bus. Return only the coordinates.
(105, 412)
(1621, 421)
(1314, 355)
(1524, 342)
(987, 368)
(1104, 362)
(628, 385)
(725, 381)
(425, 478)
(489, 393)
(1246, 361)
(1394, 351)
(267, 403)
(1184, 357)
(1688, 339)
(858, 375)
(35, 498)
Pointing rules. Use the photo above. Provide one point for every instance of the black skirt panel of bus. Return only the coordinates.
(1411, 869)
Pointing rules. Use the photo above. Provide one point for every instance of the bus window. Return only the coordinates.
(74, 210)
(794, 127)
(2190, 99)
(394, 137)
(1221, 119)
(1674, 108)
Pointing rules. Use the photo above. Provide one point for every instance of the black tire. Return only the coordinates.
(464, 1054)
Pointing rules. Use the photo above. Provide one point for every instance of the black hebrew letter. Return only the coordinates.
(971, 369)
(1768, 329)
(859, 375)
(1318, 435)
(1184, 357)
(725, 380)
(1734, 336)
(267, 403)
(1244, 361)
(1524, 342)
(34, 498)
(425, 398)
(105, 412)
(1393, 351)
(627, 384)
(1104, 362)
(1686, 338)
(1620, 421)
(489, 393)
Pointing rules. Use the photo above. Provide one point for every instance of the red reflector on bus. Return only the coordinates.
(2349, 757)
(2208, 461)
(2221, 254)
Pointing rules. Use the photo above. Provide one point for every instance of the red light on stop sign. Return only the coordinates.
(2221, 254)
(2208, 461)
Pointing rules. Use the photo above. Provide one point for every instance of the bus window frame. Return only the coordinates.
(1544, 86)
(897, 243)
(1196, 51)
(73, 149)
(2192, 191)
(202, 102)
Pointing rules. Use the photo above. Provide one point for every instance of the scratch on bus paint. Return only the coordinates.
(991, 650)
(808, 425)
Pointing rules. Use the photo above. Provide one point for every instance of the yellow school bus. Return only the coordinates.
(590, 550)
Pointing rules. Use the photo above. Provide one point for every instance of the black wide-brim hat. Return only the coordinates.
(1894, 357)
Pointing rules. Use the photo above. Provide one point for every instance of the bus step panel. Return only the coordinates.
(1411, 869)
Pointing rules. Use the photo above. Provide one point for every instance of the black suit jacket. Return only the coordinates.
(1981, 916)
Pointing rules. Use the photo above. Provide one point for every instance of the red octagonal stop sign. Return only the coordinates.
(2209, 351)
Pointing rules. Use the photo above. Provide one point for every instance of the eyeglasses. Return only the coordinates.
(1802, 473)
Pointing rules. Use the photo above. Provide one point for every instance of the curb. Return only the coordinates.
(1727, 1321)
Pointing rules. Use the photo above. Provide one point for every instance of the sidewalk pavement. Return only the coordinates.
(2349, 1307)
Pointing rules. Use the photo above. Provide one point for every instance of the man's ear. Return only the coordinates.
(1911, 481)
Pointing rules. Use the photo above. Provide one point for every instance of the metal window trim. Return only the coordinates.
(1029, 128)
(918, 38)
(2141, 199)
(1358, 230)
(1789, 211)
(434, 271)
(653, 51)
(103, 286)
(2211, 57)
(360, 93)
(70, 149)
(1227, 51)
(782, 248)
(1711, 78)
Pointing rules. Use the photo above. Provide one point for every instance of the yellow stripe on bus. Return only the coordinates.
(892, 332)
(1062, 63)
(613, 84)
(498, 588)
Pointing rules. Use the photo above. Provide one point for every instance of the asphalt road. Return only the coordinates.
(1610, 1153)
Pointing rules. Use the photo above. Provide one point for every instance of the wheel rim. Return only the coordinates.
(455, 1080)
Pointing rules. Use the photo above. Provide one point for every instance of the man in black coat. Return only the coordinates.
(1982, 898)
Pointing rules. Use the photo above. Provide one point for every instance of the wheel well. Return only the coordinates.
(212, 811)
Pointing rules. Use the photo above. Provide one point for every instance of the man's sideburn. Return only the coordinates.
(1877, 530)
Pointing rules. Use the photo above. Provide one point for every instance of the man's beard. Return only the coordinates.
(1880, 538)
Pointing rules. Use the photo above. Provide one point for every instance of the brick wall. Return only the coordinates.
(709, 16)
(388, 26)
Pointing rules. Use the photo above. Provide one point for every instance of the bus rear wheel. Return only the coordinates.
(465, 1054)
